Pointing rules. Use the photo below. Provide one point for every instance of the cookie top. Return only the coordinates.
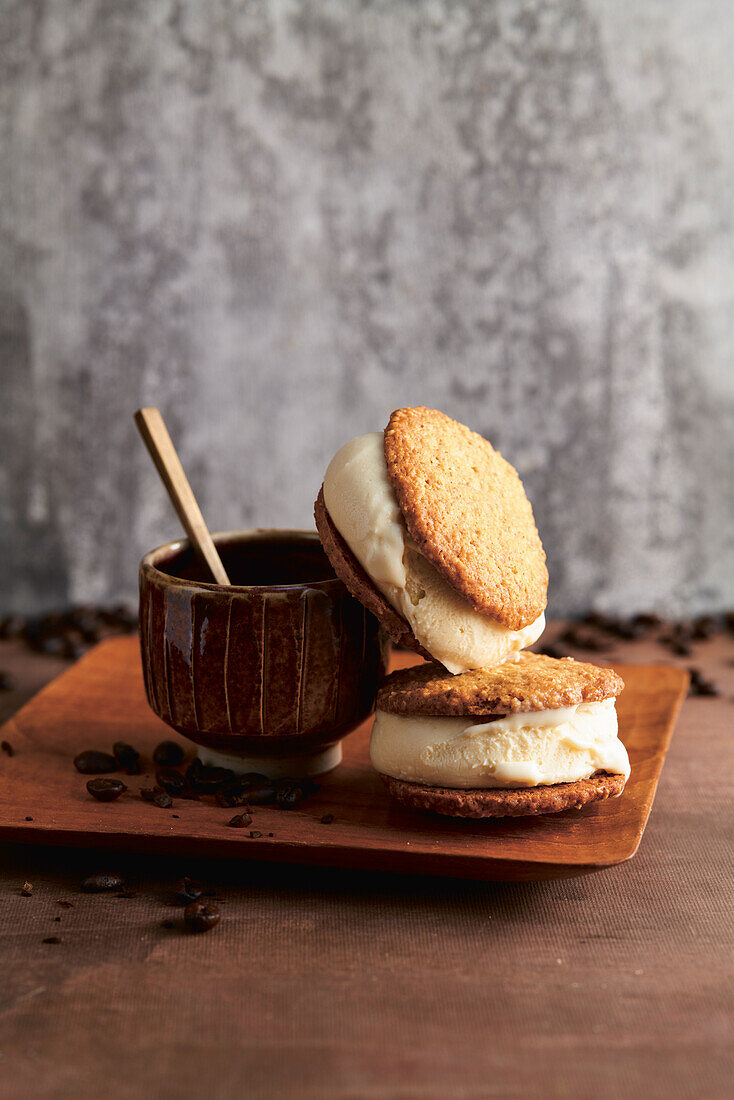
(466, 509)
(533, 682)
(519, 802)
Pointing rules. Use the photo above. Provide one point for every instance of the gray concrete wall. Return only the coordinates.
(278, 221)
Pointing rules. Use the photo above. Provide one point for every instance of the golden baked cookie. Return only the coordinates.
(494, 802)
(466, 509)
(533, 682)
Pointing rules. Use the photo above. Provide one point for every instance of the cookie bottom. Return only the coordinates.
(495, 802)
(348, 570)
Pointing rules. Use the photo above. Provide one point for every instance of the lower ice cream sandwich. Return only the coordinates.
(431, 529)
(534, 736)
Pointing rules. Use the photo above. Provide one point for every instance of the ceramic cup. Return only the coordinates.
(268, 674)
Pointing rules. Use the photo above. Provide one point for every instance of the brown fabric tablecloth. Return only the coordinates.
(323, 983)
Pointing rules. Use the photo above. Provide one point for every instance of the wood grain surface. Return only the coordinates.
(330, 984)
(101, 700)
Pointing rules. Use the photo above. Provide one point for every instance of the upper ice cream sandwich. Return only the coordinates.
(431, 529)
(534, 736)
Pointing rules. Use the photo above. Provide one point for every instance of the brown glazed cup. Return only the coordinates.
(265, 675)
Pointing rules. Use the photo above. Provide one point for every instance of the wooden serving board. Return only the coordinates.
(101, 700)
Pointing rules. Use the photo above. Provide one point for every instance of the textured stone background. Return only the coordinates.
(279, 221)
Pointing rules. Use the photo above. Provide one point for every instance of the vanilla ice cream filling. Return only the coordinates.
(532, 749)
(362, 505)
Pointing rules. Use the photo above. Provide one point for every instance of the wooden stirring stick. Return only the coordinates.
(156, 438)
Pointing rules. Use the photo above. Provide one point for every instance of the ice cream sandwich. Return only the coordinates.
(534, 736)
(431, 529)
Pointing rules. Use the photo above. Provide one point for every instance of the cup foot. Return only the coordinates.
(275, 767)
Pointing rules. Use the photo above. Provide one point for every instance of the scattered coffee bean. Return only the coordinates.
(701, 686)
(199, 916)
(171, 781)
(254, 835)
(92, 762)
(125, 755)
(159, 798)
(7, 748)
(704, 627)
(64, 903)
(57, 919)
(168, 754)
(205, 780)
(106, 790)
(648, 620)
(168, 924)
(26, 889)
(239, 821)
(101, 881)
(288, 794)
(327, 819)
(175, 815)
(6, 682)
(235, 795)
(262, 794)
(579, 640)
(253, 779)
(52, 939)
(28, 817)
(187, 890)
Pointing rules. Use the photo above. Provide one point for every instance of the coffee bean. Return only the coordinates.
(125, 755)
(159, 798)
(187, 890)
(6, 682)
(232, 796)
(57, 919)
(64, 903)
(199, 916)
(254, 835)
(288, 794)
(704, 627)
(327, 819)
(579, 640)
(262, 794)
(106, 790)
(239, 821)
(28, 817)
(205, 780)
(52, 939)
(648, 620)
(7, 748)
(171, 781)
(168, 754)
(26, 889)
(92, 762)
(102, 881)
(253, 779)
(700, 685)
